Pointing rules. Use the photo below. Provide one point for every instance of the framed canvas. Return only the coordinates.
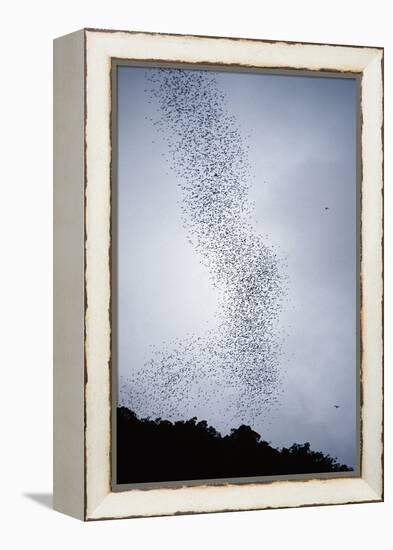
(218, 268)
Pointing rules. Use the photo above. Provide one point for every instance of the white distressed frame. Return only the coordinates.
(99, 49)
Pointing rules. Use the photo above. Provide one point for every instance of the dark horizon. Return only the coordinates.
(150, 451)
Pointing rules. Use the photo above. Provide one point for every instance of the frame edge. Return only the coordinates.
(68, 271)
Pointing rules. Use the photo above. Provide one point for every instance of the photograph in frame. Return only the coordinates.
(218, 274)
(235, 274)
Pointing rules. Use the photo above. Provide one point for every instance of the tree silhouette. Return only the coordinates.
(159, 450)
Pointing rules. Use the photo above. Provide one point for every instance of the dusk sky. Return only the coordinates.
(300, 136)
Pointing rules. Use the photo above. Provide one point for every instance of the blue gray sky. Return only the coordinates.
(301, 155)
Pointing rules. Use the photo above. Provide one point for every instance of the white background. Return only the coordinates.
(28, 28)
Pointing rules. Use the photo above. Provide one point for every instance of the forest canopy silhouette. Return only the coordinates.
(159, 450)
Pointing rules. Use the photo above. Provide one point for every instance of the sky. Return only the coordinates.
(298, 144)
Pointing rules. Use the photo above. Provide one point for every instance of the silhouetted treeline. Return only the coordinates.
(159, 450)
